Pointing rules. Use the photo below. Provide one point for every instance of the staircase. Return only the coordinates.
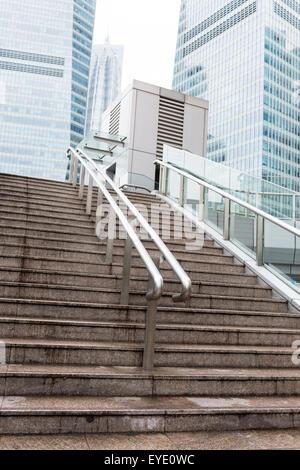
(74, 354)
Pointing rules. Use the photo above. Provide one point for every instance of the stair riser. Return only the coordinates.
(98, 245)
(81, 281)
(109, 387)
(32, 225)
(51, 197)
(46, 185)
(55, 203)
(75, 295)
(21, 231)
(71, 240)
(54, 243)
(88, 281)
(39, 190)
(64, 423)
(46, 252)
(61, 212)
(24, 180)
(117, 314)
(202, 267)
(75, 227)
(18, 354)
(136, 335)
(77, 222)
(55, 265)
(67, 265)
(20, 206)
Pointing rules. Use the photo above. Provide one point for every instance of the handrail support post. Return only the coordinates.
(126, 272)
(75, 171)
(260, 223)
(110, 236)
(201, 203)
(226, 231)
(89, 196)
(82, 178)
(150, 328)
(182, 191)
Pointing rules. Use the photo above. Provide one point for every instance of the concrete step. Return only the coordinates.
(68, 352)
(112, 281)
(43, 199)
(17, 205)
(55, 415)
(40, 328)
(46, 225)
(62, 224)
(65, 243)
(33, 189)
(189, 258)
(27, 380)
(109, 295)
(64, 263)
(168, 315)
(19, 180)
(49, 217)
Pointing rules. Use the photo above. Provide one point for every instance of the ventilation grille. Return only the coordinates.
(220, 29)
(170, 124)
(229, 8)
(293, 4)
(114, 121)
(286, 15)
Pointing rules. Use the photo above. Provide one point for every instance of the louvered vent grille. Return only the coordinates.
(114, 121)
(170, 124)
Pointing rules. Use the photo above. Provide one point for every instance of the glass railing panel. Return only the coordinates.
(281, 252)
(192, 196)
(271, 198)
(173, 185)
(243, 228)
(214, 210)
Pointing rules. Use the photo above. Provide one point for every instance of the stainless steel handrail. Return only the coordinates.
(169, 257)
(99, 177)
(226, 195)
(135, 186)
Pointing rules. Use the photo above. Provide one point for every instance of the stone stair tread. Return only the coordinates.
(128, 346)
(146, 405)
(160, 326)
(52, 258)
(102, 251)
(142, 307)
(134, 278)
(135, 291)
(123, 372)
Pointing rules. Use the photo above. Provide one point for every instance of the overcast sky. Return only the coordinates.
(148, 31)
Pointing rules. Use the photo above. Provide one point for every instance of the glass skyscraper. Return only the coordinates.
(105, 81)
(244, 57)
(45, 51)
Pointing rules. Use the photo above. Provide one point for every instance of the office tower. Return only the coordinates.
(105, 81)
(243, 56)
(45, 50)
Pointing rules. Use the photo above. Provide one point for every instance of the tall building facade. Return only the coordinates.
(105, 81)
(243, 56)
(45, 51)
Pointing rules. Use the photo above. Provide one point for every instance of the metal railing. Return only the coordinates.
(98, 177)
(260, 215)
(134, 187)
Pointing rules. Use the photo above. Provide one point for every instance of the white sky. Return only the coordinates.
(148, 31)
